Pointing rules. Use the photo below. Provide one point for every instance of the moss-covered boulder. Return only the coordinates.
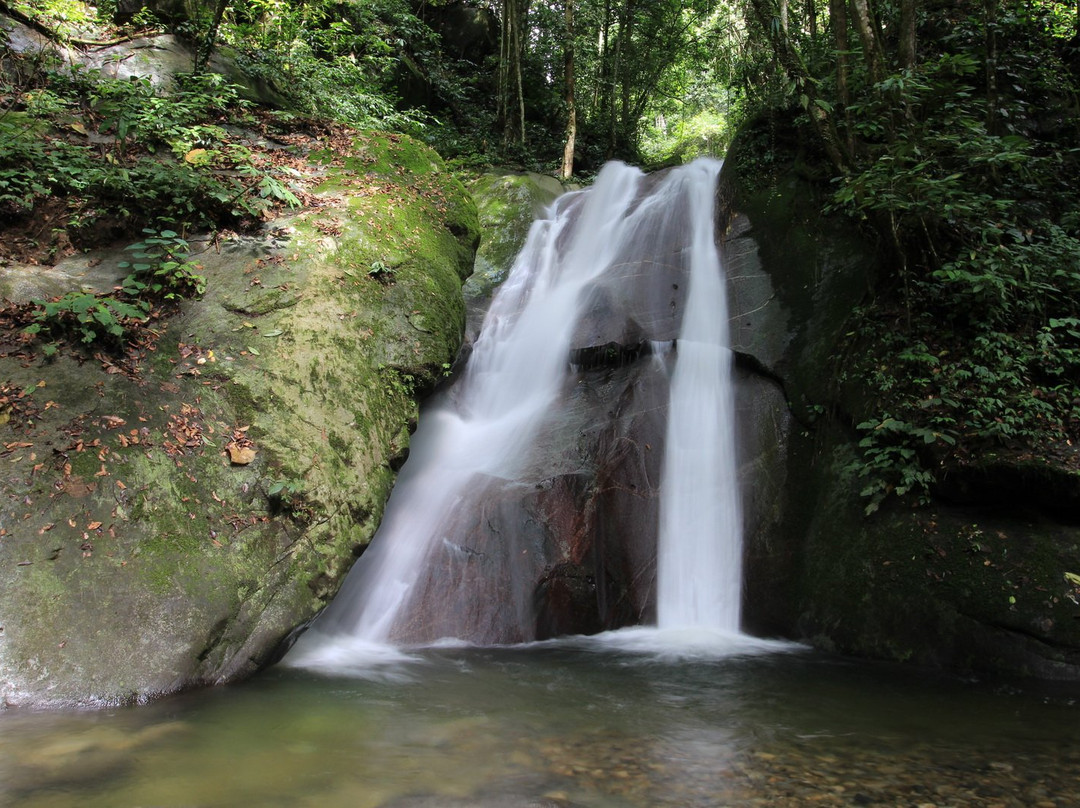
(167, 520)
(985, 577)
(508, 203)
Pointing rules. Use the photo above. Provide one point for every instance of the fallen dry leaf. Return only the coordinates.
(240, 455)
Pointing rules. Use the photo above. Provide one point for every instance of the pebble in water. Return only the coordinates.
(605, 765)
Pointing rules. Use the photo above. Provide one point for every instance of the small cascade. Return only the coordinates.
(442, 564)
(699, 547)
(484, 426)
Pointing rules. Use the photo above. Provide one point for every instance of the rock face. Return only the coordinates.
(985, 579)
(165, 523)
(157, 59)
(976, 581)
(569, 544)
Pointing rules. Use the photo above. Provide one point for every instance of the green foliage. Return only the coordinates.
(890, 463)
(705, 134)
(86, 317)
(162, 270)
(330, 60)
(336, 88)
(136, 112)
(284, 488)
(381, 272)
(167, 156)
(67, 17)
(961, 165)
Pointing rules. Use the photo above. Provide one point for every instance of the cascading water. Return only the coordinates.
(699, 552)
(484, 429)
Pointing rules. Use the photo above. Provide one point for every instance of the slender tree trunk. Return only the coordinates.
(907, 34)
(571, 108)
(519, 23)
(784, 16)
(614, 73)
(838, 20)
(990, 34)
(626, 34)
(511, 101)
(864, 25)
(202, 56)
(600, 103)
(503, 88)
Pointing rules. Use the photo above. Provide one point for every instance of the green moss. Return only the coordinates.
(264, 302)
(198, 549)
(392, 156)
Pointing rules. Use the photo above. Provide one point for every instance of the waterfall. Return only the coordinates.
(483, 430)
(699, 547)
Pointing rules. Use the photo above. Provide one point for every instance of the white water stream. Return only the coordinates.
(515, 373)
(699, 558)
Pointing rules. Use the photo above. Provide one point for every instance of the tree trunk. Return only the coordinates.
(990, 34)
(567, 170)
(614, 72)
(839, 22)
(519, 23)
(907, 34)
(864, 25)
(503, 87)
(789, 59)
(511, 100)
(626, 33)
(603, 82)
(202, 55)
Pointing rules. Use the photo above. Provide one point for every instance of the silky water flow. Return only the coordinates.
(483, 426)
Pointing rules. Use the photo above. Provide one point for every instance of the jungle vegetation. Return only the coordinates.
(946, 131)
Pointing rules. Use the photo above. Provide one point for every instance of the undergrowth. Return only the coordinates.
(971, 348)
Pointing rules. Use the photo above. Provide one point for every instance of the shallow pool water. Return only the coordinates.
(575, 723)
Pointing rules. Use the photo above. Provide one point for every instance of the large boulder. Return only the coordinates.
(166, 521)
(157, 59)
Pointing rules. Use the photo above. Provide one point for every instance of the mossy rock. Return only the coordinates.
(985, 577)
(508, 203)
(985, 589)
(166, 527)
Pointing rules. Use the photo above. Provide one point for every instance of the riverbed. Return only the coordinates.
(571, 723)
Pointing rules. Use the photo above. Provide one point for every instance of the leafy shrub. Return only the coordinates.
(88, 317)
(162, 270)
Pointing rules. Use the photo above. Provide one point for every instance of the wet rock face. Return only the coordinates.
(570, 545)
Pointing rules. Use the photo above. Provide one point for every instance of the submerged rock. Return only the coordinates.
(166, 522)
